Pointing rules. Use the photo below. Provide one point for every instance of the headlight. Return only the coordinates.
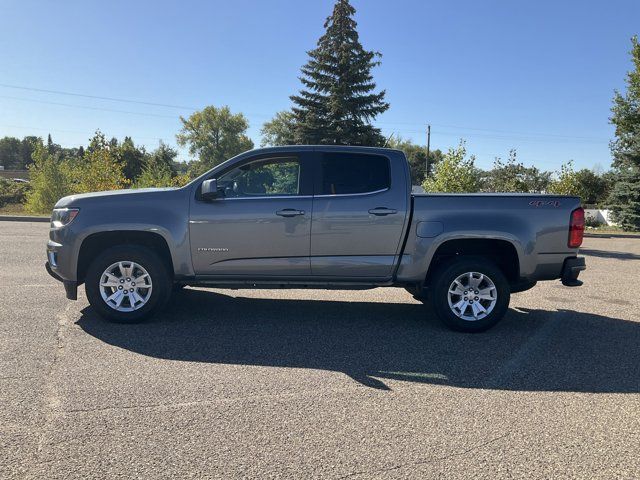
(63, 216)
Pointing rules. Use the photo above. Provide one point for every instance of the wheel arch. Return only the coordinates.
(504, 252)
(96, 243)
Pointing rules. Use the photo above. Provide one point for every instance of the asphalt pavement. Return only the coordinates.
(319, 384)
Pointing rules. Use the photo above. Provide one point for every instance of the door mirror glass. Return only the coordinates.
(210, 189)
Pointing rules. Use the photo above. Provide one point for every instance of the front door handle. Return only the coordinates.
(382, 211)
(289, 212)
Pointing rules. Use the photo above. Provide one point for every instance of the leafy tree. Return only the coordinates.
(417, 158)
(27, 147)
(158, 169)
(97, 142)
(50, 180)
(513, 176)
(338, 102)
(181, 168)
(280, 130)
(536, 181)
(154, 175)
(16, 154)
(165, 155)
(593, 188)
(507, 176)
(52, 147)
(100, 169)
(10, 153)
(454, 173)
(214, 135)
(624, 199)
(567, 181)
(130, 156)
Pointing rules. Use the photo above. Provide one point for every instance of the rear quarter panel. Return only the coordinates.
(536, 225)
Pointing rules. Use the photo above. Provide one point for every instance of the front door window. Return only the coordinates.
(262, 178)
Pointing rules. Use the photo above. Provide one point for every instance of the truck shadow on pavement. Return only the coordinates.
(609, 254)
(530, 350)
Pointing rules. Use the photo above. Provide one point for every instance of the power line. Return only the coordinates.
(86, 107)
(512, 138)
(98, 97)
(525, 133)
(510, 135)
(183, 107)
(529, 134)
(519, 138)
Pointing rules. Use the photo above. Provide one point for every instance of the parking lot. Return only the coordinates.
(319, 384)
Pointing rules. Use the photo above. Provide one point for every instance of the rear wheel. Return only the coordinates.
(470, 294)
(127, 283)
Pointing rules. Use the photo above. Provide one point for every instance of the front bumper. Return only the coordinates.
(570, 271)
(47, 265)
(70, 287)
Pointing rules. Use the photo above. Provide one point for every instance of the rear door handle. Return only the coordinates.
(289, 212)
(382, 211)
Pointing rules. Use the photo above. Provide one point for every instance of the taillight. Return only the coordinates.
(576, 228)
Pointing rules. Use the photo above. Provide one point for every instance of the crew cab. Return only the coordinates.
(328, 217)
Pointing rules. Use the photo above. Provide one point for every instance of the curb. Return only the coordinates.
(23, 218)
(612, 235)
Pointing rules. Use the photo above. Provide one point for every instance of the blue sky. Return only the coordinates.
(535, 76)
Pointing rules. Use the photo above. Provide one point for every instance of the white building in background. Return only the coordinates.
(602, 217)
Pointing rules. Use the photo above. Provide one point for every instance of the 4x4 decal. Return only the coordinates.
(545, 203)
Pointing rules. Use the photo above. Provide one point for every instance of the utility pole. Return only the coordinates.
(426, 172)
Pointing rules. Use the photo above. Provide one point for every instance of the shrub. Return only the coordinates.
(454, 173)
(567, 181)
(50, 180)
(12, 192)
(154, 175)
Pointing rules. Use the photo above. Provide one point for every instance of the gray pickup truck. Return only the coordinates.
(314, 217)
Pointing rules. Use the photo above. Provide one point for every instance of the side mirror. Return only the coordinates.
(210, 189)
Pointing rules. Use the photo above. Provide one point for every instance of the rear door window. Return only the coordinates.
(352, 173)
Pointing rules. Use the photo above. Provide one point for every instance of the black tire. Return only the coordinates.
(160, 278)
(443, 278)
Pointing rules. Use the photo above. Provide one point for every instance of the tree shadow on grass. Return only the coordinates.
(530, 350)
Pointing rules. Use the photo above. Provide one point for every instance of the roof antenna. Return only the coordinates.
(388, 140)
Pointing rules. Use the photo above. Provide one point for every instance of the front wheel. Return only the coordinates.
(127, 283)
(470, 294)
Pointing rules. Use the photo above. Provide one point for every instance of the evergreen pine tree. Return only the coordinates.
(338, 101)
(624, 199)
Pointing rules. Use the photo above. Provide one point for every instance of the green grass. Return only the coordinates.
(17, 209)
